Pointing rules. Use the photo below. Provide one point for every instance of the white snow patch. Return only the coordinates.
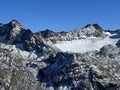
(84, 45)
(107, 33)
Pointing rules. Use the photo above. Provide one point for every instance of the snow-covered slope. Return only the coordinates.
(85, 45)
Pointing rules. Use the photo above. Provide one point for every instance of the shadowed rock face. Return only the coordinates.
(15, 34)
(27, 63)
(118, 43)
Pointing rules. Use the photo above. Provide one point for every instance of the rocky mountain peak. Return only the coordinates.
(93, 30)
(47, 33)
(88, 25)
(15, 24)
(13, 28)
(95, 25)
(13, 32)
(14, 21)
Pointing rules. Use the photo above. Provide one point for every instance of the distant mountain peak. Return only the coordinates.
(93, 28)
(14, 23)
(95, 25)
(88, 25)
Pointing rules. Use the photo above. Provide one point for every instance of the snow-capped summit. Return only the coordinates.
(11, 31)
(90, 30)
(13, 25)
(13, 28)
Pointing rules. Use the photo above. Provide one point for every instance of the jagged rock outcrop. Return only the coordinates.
(118, 43)
(14, 33)
(88, 31)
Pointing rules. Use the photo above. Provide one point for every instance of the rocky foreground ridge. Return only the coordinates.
(31, 61)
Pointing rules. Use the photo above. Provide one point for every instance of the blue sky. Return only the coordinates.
(61, 15)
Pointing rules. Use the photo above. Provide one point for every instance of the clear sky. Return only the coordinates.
(61, 15)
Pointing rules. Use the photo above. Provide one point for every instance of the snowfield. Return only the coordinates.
(88, 44)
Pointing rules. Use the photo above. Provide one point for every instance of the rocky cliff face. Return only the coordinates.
(28, 62)
(14, 33)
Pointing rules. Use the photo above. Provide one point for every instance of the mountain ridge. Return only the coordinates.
(84, 59)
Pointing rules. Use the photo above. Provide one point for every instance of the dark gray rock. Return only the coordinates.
(118, 43)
